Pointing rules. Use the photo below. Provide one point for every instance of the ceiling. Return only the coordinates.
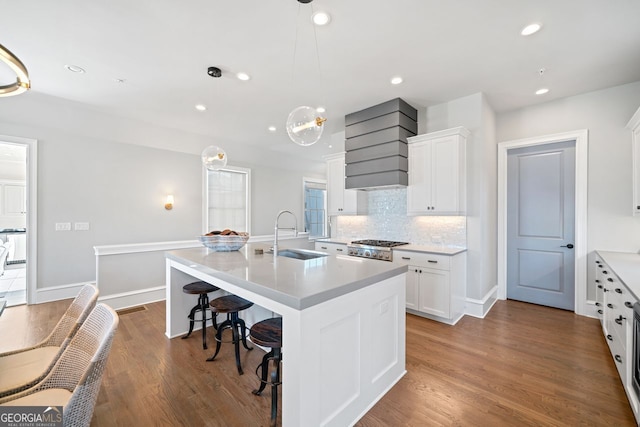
(443, 49)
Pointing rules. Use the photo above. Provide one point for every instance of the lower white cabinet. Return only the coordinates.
(331, 248)
(435, 284)
(617, 322)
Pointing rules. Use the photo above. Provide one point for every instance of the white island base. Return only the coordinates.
(340, 356)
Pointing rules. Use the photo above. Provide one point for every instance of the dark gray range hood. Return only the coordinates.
(376, 145)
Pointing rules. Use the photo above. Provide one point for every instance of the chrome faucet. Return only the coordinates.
(294, 228)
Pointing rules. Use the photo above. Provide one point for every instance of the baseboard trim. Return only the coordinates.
(115, 301)
(480, 308)
(56, 293)
(134, 298)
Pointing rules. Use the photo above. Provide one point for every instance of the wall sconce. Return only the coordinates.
(168, 205)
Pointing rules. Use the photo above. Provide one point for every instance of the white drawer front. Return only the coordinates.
(439, 262)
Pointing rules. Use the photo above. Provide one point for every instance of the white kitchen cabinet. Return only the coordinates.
(331, 248)
(437, 173)
(435, 284)
(617, 323)
(15, 201)
(341, 201)
(634, 125)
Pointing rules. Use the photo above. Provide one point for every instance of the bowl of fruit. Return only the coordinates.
(225, 240)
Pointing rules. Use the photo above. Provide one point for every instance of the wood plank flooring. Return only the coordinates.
(523, 365)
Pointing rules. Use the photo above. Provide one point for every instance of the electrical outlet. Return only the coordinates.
(63, 226)
(81, 226)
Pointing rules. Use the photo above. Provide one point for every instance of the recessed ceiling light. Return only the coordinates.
(321, 18)
(243, 76)
(396, 80)
(119, 80)
(542, 91)
(272, 128)
(74, 69)
(201, 107)
(320, 110)
(530, 29)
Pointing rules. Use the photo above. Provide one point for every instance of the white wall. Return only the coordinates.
(605, 113)
(114, 173)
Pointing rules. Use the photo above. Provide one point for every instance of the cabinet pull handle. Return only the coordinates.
(598, 304)
(597, 281)
(619, 320)
(618, 290)
(628, 304)
(339, 250)
(605, 272)
(323, 247)
(597, 262)
(406, 257)
(605, 290)
(599, 311)
(610, 305)
(609, 279)
(610, 337)
(618, 358)
(599, 286)
(432, 261)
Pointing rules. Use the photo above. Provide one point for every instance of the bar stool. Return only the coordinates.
(268, 333)
(202, 289)
(231, 304)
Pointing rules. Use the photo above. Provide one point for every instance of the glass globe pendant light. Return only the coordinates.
(214, 158)
(304, 126)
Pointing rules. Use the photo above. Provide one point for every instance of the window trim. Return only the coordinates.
(306, 179)
(205, 195)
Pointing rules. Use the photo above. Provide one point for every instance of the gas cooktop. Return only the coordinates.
(374, 249)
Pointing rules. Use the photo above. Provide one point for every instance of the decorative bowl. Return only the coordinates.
(225, 243)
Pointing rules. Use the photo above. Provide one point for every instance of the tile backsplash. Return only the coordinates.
(387, 220)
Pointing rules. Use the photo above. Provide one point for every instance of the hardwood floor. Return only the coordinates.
(523, 365)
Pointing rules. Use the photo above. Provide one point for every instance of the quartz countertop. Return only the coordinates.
(296, 283)
(435, 249)
(626, 265)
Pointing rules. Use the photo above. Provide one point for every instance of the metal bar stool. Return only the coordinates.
(231, 304)
(268, 333)
(202, 289)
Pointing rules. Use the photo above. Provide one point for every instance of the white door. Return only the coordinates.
(540, 224)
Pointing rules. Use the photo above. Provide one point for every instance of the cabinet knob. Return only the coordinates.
(597, 262)
(339, 250)
(610, 337)
(618, 290)
(610, 305)
(609, 279)
(618, 358)
(600, 312)
(598, 304)
(628, 304)
(599, 286)
(597, 281)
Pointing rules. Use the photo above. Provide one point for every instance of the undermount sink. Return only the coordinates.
(301, 254)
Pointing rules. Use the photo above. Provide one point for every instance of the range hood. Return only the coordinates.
(376, 145)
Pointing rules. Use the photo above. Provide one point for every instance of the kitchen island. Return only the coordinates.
(343, 323)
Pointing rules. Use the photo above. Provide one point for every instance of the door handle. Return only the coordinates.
(570, 246)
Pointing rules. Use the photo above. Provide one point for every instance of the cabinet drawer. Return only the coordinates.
(439, 262)
(617, 347)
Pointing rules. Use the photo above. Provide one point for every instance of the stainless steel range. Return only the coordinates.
(374, 249)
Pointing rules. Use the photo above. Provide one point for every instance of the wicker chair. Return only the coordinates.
(74, 380)
(23, 368)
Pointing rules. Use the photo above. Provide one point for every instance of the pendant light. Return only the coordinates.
(213, 157)
(22, 83)
(304, 124)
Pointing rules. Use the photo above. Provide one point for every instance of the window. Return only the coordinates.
(228, 199)
(315, 207)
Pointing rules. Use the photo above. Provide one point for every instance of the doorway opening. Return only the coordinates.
(17, 220)
(580, 217)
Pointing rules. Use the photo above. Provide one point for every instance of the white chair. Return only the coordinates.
(74, 380)
(23, 368)
(4, 252)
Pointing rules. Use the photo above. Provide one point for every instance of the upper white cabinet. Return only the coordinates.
(15, 199)
(437, 173)
(339, 200)
(634, 125)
